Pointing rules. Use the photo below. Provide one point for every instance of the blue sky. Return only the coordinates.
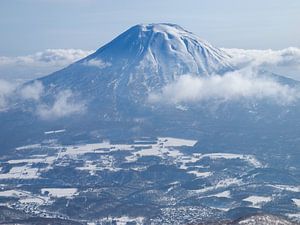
(28, 26)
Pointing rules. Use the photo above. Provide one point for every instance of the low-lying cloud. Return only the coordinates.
(38, 64)
(32, 92)
(6, 89)
(246, 82)
(65, 104)
(242, 84)
(97, 63)
(56, 57)
(285, 62)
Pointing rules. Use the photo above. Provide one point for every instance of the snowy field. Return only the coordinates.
(224, 183)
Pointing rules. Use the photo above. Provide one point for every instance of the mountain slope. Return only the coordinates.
(113, 84)
(142, 59)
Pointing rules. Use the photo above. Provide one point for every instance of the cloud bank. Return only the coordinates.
(65, 103)
(285, 62)
(6, 89)
(242, 84)
(33, 91)
(38, 64)
(56, 57)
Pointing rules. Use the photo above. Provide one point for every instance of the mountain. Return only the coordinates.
(106, 93)
(85, 144)
(145, 57)
(141, 60)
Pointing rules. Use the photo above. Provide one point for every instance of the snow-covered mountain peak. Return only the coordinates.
(164, 50)
(169, 31)
(144, 58)
(166, 28)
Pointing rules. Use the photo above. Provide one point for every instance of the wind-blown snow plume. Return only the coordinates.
(243, 84)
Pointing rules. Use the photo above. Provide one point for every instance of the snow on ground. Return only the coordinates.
(154, 150)
(13, 193)
(29, 147)
(297, 202)
(167, 148)
(224, 194)
(27, 171)
(248, 158)
(228, 182)
(258, 201)
(164, 147)
(73, 150)
(60, 192)
(55, 131)
(48, 160)
(264, 219)
(104, 162)
(34, 160)
(103, 147)
(286, 187)
(89, 166)
(201, 174)
(32, 200)
(176, 142)
(24, 197)
(21, 172)
(122, 220)
(225, 183)
(293, 216)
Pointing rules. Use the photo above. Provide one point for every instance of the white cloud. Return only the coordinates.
(52, 56)
(284, 62)
(242, 84)
(11, 91)
(234, 85)
(32, 91)
(65, 104)
(97, 63)
(6, 89)
(38, 64)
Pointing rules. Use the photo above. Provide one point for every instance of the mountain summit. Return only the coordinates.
(164, 49)
(142, 59)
